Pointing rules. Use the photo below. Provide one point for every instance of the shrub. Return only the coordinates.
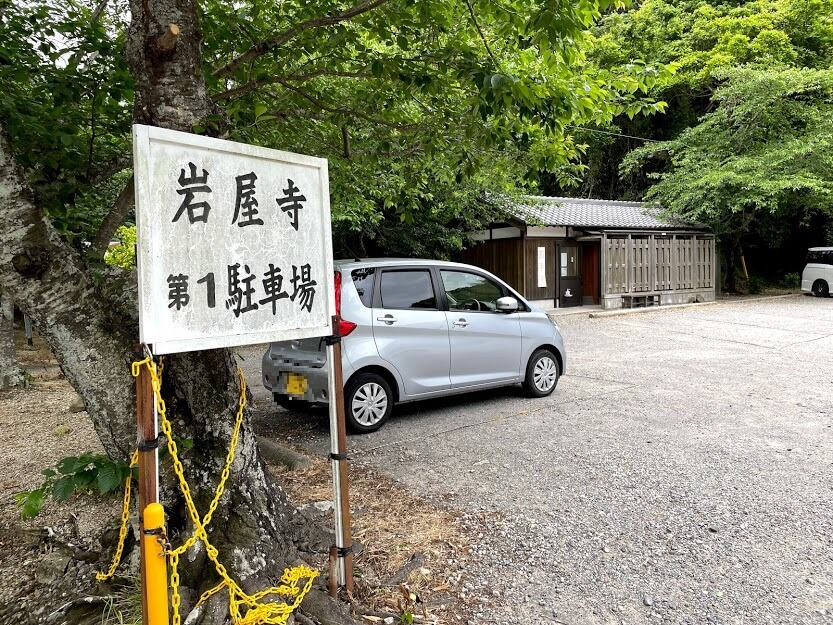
(123, 254)
(756, 285)
(791, 281)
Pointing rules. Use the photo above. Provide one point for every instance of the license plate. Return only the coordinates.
(296, 384)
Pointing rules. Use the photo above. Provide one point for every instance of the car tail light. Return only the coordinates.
(344, 327)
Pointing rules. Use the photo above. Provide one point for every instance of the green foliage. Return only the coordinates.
(421, 107)
(791, 281)
(704, 38)
(65, 103)
(764, 154)
(85, 473)
(706, 42)
(124, 254)
(756, 285)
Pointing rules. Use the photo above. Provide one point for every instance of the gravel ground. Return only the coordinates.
(681, 472)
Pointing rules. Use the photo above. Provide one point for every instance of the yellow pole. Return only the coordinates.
(156, 570)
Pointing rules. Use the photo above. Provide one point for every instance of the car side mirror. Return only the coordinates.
(506, 304)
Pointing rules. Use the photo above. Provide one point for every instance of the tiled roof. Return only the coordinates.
(589, 213)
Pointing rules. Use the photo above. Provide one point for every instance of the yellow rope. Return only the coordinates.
(244, 609)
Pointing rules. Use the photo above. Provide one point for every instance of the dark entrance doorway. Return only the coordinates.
(590, 273)
(569, 280)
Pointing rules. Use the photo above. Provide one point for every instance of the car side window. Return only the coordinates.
(470, 291)
(363, 281)
(411, 288)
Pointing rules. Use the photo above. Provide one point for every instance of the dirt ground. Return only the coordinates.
(409, 547)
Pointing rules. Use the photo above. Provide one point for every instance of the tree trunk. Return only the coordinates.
(11, 375)
(732, 266)
(91, 326)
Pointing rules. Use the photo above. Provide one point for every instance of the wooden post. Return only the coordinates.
(628, 264)
(674, 286)
(338, 445)
(148, 470)
(27, 325)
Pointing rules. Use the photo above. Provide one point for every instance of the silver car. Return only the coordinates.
(415, 329)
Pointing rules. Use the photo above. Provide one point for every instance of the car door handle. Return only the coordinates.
(387, 319)
(460, 322)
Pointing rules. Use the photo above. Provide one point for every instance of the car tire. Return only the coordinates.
(293, 405)
(542, 373)
(368, 402)
(821, 289)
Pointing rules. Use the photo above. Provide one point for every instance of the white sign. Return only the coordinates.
(233, 241)
(542, 267)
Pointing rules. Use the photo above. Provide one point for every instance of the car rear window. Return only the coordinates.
(363, 280)
(822, 257)
(407, 289)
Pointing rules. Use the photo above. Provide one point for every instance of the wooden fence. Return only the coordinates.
(649, 263)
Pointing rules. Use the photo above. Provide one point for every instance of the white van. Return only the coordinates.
(818, 274)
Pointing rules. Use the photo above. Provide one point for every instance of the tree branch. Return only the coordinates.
(480, 32)
(98, 11)
(257, 84)
(265, 46)
(325, 107)
(75, 59)
(114, 218)
(345, 139)
(297, 114)
(112, 168)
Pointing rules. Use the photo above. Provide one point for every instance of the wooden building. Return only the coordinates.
(560, 252)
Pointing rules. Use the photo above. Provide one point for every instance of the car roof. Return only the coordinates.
(349, 264)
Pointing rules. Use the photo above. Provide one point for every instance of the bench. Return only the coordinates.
(640, 300)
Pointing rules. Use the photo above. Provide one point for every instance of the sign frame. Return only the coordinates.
(143, 137)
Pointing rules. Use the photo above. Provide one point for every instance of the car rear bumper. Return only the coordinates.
(276, 379)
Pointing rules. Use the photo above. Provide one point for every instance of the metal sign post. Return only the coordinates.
(338, 456)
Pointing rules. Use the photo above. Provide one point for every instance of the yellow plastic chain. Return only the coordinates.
(256, 612)
(125, 525)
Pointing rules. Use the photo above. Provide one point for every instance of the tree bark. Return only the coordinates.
(731, 265)
(11, 375)
(114, 218)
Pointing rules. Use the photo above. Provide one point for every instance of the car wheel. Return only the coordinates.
(821, 289)
(368, 401)
(541, 373)
(293, 405)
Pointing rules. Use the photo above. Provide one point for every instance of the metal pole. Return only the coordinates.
(338, 448)
(146, 438)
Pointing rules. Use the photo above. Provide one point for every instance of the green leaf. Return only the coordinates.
(83, 461)
(377, 67)
(63, 488)
(30, 503)
(109, 478)
(85, 478)
(66, 466)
